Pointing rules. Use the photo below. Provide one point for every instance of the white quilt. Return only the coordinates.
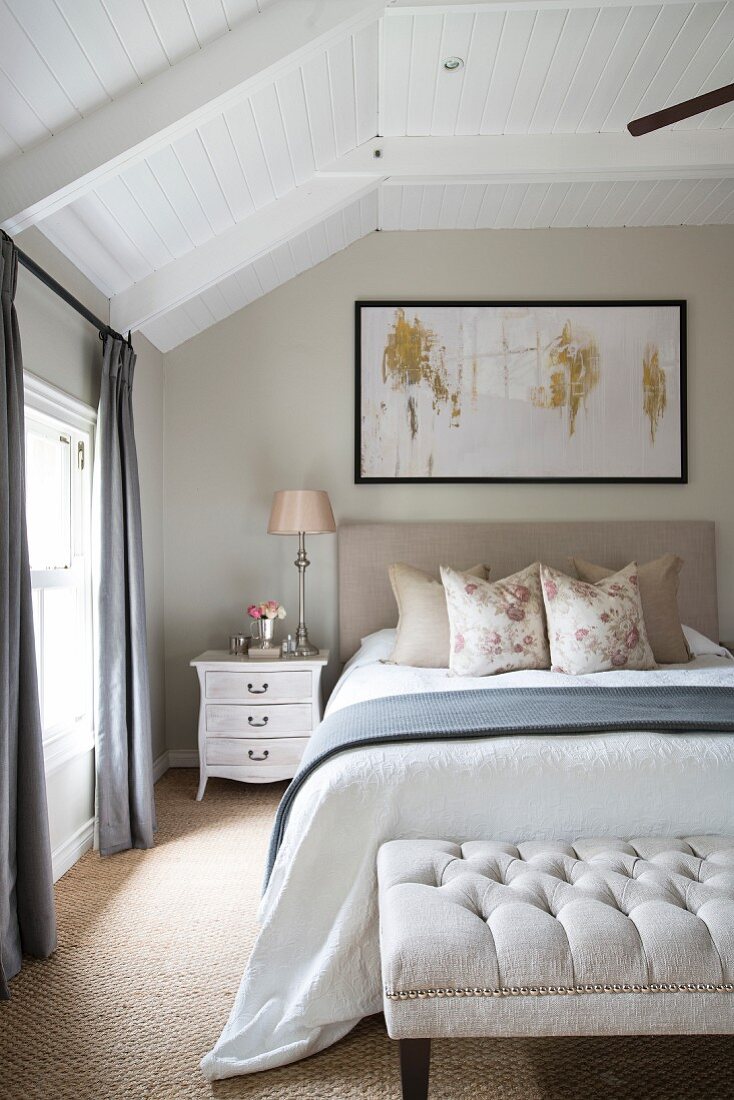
(315, 968)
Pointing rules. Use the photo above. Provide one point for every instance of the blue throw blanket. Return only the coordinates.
(475, 713)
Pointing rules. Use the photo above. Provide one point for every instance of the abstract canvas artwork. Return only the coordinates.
(512, 391)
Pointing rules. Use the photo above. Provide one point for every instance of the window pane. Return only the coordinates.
(48, 497)
(63, 655)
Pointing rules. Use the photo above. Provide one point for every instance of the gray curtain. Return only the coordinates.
(124, 760)
(27, 920)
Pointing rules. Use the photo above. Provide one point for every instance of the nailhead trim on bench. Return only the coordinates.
(556, 990)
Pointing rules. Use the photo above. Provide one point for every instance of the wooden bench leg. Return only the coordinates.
(415, 1063)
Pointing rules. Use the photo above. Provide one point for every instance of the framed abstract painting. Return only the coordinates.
(521, 391)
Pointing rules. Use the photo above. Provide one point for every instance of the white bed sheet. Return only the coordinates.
(315, 968)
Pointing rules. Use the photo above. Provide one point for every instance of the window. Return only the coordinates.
(58, 455)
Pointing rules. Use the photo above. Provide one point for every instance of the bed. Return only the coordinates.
(315, 971)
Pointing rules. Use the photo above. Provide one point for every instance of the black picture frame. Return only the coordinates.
(362, 304)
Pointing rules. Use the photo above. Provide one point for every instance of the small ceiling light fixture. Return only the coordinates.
(451, 64)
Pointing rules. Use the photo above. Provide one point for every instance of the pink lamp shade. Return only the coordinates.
(301, 510)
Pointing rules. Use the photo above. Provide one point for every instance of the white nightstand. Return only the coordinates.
(255, 716)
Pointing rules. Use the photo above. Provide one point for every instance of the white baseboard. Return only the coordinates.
(174, 758)
(160, 766)
(65, 856)
(183, 758)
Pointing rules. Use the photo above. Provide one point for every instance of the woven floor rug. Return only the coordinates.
(152, 946)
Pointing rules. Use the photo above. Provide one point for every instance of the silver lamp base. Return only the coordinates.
(304, 648)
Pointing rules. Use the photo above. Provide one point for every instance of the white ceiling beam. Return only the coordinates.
(677, 154)
(196, 271)
(198, 88)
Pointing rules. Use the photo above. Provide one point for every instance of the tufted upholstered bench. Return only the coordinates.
(599, 937)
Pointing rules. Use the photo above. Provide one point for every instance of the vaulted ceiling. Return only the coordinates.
(190, 155)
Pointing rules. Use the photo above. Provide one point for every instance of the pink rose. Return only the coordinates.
(470, 589)
(517, 647)
(254, 611)
(495, 638)
(517, 614)
(521, 592)
(528, 639)
(458, 643)
(581, 633)
(633, 637)
(619, 658)
(551, 589)
(633, 579)
(605, 616)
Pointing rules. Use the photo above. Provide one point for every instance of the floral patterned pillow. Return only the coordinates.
(595, 627)
(496, 626)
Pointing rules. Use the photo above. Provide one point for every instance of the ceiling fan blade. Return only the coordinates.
(689, 107)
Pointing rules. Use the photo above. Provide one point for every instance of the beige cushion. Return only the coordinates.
(659, 594)
(496, 626)
(601, 936)
(423, 627)
(595, 627)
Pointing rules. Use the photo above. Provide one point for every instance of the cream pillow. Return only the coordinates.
(595, 627)
(659, 594)
(496, 626)
(423, 627)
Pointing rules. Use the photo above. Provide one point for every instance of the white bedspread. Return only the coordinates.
(315, 969)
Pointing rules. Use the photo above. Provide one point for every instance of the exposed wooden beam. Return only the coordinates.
(675, 154)
(198, 88)
(280, 221)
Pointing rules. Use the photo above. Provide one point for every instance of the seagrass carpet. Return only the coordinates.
(151, 949)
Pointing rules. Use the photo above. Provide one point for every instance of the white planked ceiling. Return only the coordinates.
(553, 69)
(62, 59)
(217, 175)
(603, 204)
(553, 82)
(272, 269)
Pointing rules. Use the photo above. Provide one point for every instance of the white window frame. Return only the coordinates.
(60, 409)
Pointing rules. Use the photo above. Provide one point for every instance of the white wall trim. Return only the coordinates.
(174, 758)
(73, 848)
(48, 399)
(160, 766)
(183, 758)
(66, 746)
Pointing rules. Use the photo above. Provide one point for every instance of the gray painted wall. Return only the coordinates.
(264, 400)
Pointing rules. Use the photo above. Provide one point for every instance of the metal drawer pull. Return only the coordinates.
(256, 691)
(254, 723)
(252, 756)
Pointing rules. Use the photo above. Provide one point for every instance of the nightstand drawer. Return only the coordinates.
(235, 751)
(260, 720)
(263, 687)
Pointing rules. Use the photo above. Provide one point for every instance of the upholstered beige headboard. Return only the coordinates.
(366, 550)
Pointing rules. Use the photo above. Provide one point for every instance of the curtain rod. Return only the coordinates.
(66, 295)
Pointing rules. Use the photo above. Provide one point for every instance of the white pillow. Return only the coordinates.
(701, 646)
(377, 646)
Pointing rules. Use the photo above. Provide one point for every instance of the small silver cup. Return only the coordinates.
(238, 644)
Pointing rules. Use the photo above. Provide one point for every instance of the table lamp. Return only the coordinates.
(301, 512)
